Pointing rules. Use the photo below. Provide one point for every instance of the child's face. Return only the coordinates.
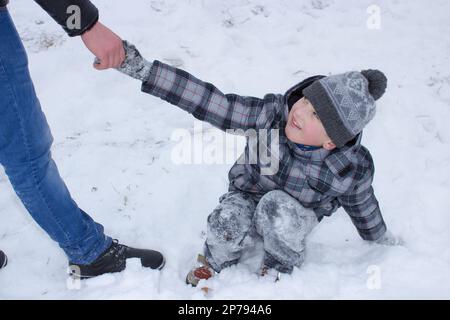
(305, 127)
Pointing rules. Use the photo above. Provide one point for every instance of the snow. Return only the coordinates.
(113, 145)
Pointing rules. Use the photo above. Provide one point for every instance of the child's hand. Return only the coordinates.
(389, 239)
(134, 64)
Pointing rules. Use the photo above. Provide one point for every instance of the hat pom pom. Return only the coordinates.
(377, 82)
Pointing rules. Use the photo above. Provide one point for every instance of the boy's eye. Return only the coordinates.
(315, 114)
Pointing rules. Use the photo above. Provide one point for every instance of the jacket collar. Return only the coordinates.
(337, 160)
(318, 155)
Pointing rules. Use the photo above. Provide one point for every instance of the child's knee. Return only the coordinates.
(231, 220)
(276, 203)
(277, 210)
(278, 196)
(226, 226)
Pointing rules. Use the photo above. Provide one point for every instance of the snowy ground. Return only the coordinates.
(113, 146)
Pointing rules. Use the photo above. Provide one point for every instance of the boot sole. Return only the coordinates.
(5, 262)
(75, 276)
(162, 264)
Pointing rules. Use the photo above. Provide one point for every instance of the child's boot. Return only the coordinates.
(270, 273)
(202, 272)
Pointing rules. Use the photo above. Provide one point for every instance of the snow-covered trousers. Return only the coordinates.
(278, 219)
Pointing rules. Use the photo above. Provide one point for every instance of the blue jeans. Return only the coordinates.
(25, 141)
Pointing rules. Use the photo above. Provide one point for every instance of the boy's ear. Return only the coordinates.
(329, 145)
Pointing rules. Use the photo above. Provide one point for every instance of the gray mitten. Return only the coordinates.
(134, 64)
(389, 239)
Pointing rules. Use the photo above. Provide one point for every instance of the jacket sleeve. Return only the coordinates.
(207, 103)
(362, 207)
(62, 12)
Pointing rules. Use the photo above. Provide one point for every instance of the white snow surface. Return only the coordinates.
(113, 145)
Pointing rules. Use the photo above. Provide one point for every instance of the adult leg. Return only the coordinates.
(25, 141)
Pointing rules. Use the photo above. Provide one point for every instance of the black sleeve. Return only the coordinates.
(60, 11)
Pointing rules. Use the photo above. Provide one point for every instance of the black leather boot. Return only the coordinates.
(114, 260)
(3, 259)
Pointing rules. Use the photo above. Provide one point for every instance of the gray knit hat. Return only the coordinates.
(345, 103)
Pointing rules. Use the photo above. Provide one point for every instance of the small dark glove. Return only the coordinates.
(389, 239)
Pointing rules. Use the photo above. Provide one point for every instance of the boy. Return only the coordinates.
(322, 164)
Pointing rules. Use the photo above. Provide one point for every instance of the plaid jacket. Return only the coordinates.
(321, 180)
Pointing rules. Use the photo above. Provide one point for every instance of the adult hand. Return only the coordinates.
(105, 45)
